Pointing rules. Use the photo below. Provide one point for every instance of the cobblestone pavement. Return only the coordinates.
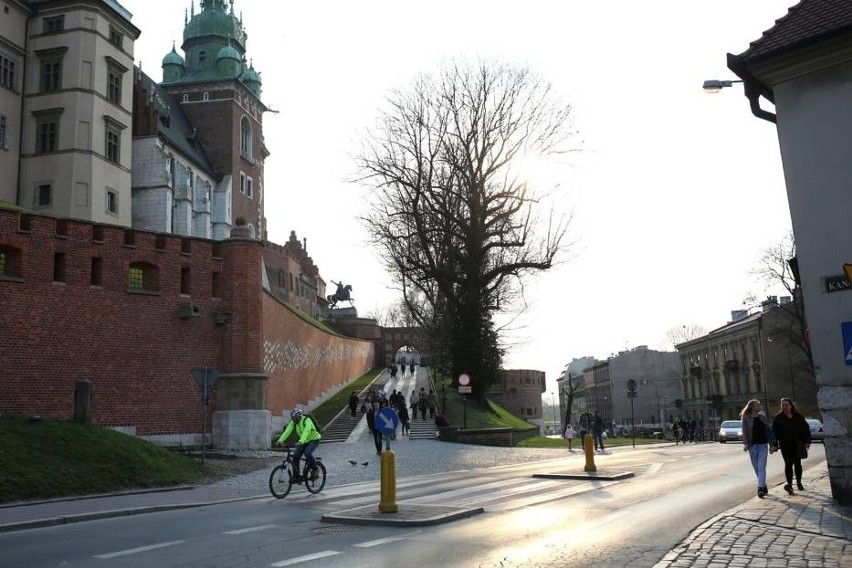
(807, 529)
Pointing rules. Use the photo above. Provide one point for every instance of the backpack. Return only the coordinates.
(317, 426)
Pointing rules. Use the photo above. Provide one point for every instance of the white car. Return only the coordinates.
(817, 433)
(731, 430)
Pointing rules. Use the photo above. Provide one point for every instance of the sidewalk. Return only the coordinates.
(806, 529)
(780, 530)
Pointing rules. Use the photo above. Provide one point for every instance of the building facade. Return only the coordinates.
(66, 108)
(520, 391)
(750, 357)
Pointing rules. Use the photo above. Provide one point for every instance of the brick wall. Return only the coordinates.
(303, 361)
(133, 347)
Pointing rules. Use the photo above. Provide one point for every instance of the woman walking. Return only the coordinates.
(794, 438)
(757, 439)
(569, 435)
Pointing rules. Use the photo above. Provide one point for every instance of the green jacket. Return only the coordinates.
(305, 430)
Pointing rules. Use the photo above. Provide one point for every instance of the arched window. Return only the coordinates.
(10, 262)
(143, 277)
(245, 138)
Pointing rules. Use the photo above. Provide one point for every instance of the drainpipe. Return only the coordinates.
(18, 191)
(753, 88)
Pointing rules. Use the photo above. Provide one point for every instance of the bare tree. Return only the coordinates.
(776, 266)
(683, 333)
(572, 389)
(458, 224)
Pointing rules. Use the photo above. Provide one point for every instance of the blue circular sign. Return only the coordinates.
(386, 421)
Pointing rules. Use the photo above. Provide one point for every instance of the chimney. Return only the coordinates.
(737, 315)
(769, 303)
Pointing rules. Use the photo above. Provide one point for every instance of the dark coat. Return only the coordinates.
(790, 432)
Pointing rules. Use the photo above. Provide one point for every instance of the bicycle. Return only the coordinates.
(281, 480)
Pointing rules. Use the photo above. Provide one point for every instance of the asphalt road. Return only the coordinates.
(527, 521)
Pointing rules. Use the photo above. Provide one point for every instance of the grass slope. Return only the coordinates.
(53, 458)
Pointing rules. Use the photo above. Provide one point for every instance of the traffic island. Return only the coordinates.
(410, 515)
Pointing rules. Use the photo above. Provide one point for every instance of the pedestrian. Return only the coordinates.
(432, 400)
(422, 402)
(758, 441)
(413, 400)
(793, 437)
(405, 420)
(569, 435)
(353, 404)
(676, 431)
(441, 420)
(371, 426)
(598, 430)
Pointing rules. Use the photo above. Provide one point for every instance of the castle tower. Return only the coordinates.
(220, 94)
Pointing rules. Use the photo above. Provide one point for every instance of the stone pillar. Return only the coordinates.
(241, 421)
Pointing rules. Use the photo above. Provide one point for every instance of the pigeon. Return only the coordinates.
(353, 462)
(365, 463)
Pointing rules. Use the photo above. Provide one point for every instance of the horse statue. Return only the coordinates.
(341, 295)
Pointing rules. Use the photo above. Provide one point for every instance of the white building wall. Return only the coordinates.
(814, 120)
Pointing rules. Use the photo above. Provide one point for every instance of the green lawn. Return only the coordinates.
(54, 458)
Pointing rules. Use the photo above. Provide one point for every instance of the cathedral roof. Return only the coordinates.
(174, 126)
(215, 20)
(173, 58)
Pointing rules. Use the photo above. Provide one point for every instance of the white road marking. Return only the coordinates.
(380, 541)
(653, 468)
(305, 558)
(137, 550)
(251, 529)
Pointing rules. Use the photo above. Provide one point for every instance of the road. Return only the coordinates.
(527, 521)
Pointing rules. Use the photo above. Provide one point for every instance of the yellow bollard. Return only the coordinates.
(387, 501)
(590, 454)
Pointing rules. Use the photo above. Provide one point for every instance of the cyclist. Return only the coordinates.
(308, 441)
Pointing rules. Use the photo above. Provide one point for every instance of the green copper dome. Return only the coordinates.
(229, 52)
(214, 20)
(172, 58)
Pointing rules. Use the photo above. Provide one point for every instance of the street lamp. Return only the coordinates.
(716, 85)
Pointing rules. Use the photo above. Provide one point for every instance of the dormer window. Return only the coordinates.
(202, 56)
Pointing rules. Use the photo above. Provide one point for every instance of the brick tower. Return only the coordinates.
(220, 94)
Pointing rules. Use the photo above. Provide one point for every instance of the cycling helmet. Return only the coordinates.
(295, 413)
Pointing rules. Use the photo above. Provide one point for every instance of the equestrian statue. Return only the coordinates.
(341, 295)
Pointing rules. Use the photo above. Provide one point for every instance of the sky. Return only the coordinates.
(673, 192)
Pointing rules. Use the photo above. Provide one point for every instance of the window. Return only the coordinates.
(113, 145)
(7, 72)
(217, 285)
(205, 96)
(47, 135)
(3, 131)
(51, 75)
(245, 138)
(43, 195)
(97, 271)
(202, 56)
(111, 201)
(142, 276)
(10, 262)
(54, 24)
(59, 267)
(242, 182)
(184, 280)
(112, 139)
(116, 38)
(114, 86)
(249, 188)
(185, 97)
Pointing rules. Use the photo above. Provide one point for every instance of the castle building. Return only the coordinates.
(66, 107)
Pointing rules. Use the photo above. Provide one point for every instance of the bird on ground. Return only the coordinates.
(353, 462)
(365, 463)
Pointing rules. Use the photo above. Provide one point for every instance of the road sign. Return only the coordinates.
(846, 332)
(386, 421)
(464, 380)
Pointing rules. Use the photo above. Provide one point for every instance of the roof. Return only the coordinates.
(806, 23)
(175, 127)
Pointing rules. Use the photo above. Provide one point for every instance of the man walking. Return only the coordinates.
(598, 430)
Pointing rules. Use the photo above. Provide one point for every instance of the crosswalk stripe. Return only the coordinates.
(307, 557)
(138, 550)
(250, 529)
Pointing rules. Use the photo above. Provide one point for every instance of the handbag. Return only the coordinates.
(801, 450)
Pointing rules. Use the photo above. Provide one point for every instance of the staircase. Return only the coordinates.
(423, 429)
(342, 425)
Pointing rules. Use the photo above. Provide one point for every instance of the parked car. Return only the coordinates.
(817, 433)
(731, 430)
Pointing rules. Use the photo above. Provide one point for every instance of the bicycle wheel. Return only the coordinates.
(280, 481)
(316, 485)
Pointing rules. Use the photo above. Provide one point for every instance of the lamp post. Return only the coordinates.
(556, 425)
(659, 408)
(716, 85)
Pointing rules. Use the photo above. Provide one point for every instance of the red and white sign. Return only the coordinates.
(464, 380)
